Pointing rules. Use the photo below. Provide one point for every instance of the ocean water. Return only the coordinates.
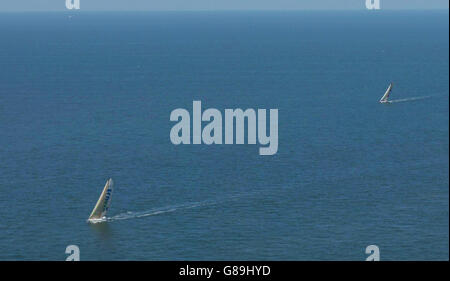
(85, 96)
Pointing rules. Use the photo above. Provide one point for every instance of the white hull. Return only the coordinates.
(96, 220)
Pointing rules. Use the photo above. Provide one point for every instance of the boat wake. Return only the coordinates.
(169, 209)
(412, 99)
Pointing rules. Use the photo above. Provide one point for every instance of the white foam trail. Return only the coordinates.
(169, 209)
(411, 99)
(414, 98)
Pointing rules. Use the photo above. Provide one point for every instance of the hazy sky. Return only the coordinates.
(53, 5)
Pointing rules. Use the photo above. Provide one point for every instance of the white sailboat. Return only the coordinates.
(385, 97)
(99, 212)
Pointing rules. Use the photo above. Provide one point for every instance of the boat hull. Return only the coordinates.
(93, 221)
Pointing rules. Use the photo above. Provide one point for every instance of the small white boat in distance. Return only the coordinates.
(103, 203)
(385, 97)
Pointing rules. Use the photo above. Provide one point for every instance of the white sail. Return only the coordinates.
(103, 202)
(385, 97)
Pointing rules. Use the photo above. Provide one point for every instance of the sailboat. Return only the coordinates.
(385, 97)
(99, 212)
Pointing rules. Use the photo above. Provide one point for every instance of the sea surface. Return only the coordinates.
(85, 96)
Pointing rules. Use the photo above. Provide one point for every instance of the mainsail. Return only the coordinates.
(103, 202)
(385, 97)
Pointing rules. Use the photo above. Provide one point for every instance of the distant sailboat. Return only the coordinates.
(385, 97)
(103, 203)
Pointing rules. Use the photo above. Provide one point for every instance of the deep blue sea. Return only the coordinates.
(86, 96)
